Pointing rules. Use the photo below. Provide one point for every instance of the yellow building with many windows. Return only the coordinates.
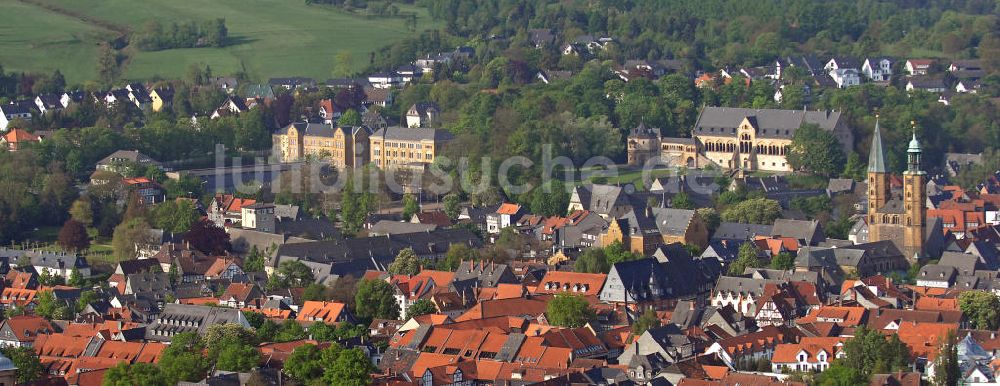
(407, 147)
(343, 146)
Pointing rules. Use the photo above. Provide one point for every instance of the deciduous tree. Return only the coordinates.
(374, 300)
(410, 206)
(29, 367)
(125, 374)
(646, 321)
(129, 234)
(73, 236)
(206, 237)
(753, 211)
(421, 307)
(406, 263)
(568, 310)
(593, 260)
(816, 150)
(82, 211)
(981, 308)
(182, 360)
(747, 258)
(452, 205)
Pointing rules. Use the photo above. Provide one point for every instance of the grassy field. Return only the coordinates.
(35, 39)
(272, 38)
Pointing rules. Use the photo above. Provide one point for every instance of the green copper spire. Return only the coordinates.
(914, 144)
(876, 162)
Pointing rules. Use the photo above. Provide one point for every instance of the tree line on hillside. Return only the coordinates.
(153, 36)
(733, 32)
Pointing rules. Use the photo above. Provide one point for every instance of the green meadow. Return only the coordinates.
(270, 38)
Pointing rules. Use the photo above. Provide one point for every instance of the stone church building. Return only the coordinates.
(901, 216)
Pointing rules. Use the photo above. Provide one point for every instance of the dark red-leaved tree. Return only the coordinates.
(73, 236)
(281, 108)
(206, 237)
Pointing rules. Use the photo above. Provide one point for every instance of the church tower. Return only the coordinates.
(878, 183)
(914, 199)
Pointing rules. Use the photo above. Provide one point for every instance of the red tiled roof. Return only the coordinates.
(279, 351)
(759, 341)
(326, 105)
(923, 338)
(18, 279)
(533, 306)
(961, 220)
(18, 135)
(136, 181)
(844, 316)
(428, 360)
(501, 291)
(438, 218)
(18, 296)
(91, 378)
(573, 282)
(60, 345)
(27, 328)
(327, 312)
(504, 324)
(508, 208)
(271, 313)
(577, 339)
(936, 304)
(813, 346)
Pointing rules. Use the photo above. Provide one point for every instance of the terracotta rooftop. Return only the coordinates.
(327, 312)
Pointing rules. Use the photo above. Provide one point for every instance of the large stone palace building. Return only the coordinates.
(736, 138)
(901, 217)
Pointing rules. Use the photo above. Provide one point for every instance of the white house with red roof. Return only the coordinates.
(228, 209)
(810, 354)
(506, 215)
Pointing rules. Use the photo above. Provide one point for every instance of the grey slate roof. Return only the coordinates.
(741, 285)
(840, 185)
(45, 259)
(129, 155)
(965, 264)
(670, 221)
(149, 284)
(937, 272)
(740, 232)
(126, 267)
(510, 347)
(331, 258)
(649, 279)
(387, 227)
(414, 134)
(772, 123)
(600, 198)
(178, 318)
(723, 250)
(484, 273)
(810, 231)
(777, 274)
